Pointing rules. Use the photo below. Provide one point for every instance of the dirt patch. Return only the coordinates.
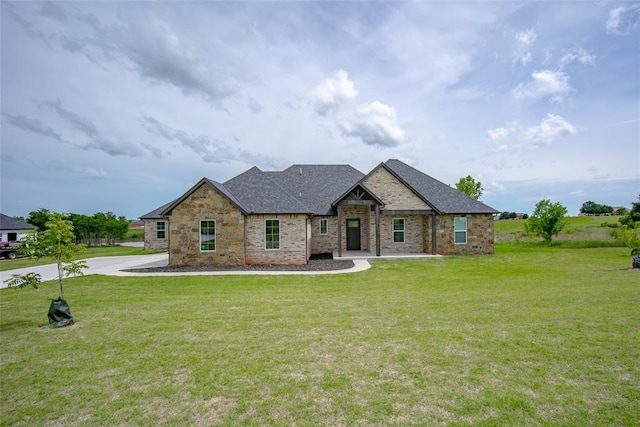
(312, 265)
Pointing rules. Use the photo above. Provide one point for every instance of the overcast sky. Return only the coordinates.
(122, 106)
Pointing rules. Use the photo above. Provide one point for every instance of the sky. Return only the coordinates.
(123, 106)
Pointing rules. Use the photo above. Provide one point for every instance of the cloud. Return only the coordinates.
(554, 84)
(97, 141)
(498, 137)
(576, 55)
(209, 150)
(524, 41)
(624, 20)
(375, 124)
(34, 126)
(551, 128)
(254, 106)
(333, 92)
(86, 173)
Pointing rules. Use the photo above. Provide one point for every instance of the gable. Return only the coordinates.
(392, 192)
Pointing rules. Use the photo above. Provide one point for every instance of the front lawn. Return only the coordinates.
(530, 336)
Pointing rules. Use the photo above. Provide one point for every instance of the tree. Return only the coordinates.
(57, 242)
(632, 219)
(594, 208)
(470, 187)
(547, 220)
(39, 218)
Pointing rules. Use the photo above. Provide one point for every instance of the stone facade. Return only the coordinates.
(324, 243)
(479, 235)
(293, 248)
(151, 240)
(206, 203)
(413, 234)
(394, 194)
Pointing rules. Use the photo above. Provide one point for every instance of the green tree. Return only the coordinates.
(470, 187)
(632, 219)
(56, 242)
(547, 220)
(39, 218)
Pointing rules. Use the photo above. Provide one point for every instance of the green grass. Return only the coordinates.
(579, 228)
(530, 336)
(91, 252)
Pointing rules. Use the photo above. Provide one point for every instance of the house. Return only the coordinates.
(12, 229)
(284, 217)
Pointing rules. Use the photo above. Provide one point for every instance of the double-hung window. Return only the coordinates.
(324, 227)
(161, 230)
(272, 234)
(460, 230)
(398, 230)
(207, 235)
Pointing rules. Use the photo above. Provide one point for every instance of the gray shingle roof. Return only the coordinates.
(312, 189)
(443, 198)
(10, 223)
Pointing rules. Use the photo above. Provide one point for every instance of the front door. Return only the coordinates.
(353, 234)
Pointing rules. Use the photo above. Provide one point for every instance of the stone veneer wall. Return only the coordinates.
(413, 234)
(324, 243)
(206, 203)
(393, 193)
(151, 243)
(293, 229)
(479, 235)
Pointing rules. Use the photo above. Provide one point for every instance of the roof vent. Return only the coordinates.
(300, 171)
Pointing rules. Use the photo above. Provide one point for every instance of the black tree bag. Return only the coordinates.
(59, 313)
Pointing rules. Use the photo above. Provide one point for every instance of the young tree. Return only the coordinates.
(547, 220)
(57, 242)
(470, 187)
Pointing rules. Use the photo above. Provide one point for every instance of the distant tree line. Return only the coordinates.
(511, 215)
(96, 230)
(593, 208)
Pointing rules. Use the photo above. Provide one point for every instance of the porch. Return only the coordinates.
(351, 255)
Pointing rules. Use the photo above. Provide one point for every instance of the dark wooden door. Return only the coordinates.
(353, 234)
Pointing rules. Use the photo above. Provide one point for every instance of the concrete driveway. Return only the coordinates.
(110, 265)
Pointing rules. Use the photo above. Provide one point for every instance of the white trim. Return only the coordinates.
(460, 231)
(215, 235)
(403, 231)
(164, 230)
(265, 235)
(326, 222)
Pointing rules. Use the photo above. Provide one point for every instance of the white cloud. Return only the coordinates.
(498, 137)
(554, 84)
(580, 55)
(551, 128)
(624, 20)
(375, 124)
(333, 92)
(524, 41)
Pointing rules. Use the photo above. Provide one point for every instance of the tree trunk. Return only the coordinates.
(60, 272)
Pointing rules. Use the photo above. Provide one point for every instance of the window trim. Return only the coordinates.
(215, 235)
(267, 241)
(158, 230)
(403, 230)
(326, 227)
(456, 231)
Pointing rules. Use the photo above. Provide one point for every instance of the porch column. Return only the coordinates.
(377, 230)
(339, 231)
(434, 248)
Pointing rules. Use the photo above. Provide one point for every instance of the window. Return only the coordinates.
(272, 234)
(161, 231)
(324, 227)
(398, 230)
(460, 230)
(207, 235)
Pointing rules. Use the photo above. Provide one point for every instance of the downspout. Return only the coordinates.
(434, 243)
(377, 230)
(339, 231)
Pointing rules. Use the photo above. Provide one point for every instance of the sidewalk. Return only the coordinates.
(113, 266)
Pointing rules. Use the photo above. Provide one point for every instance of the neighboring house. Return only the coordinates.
(13, 230)
(284, 217)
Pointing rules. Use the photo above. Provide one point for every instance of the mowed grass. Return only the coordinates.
(530, 336)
